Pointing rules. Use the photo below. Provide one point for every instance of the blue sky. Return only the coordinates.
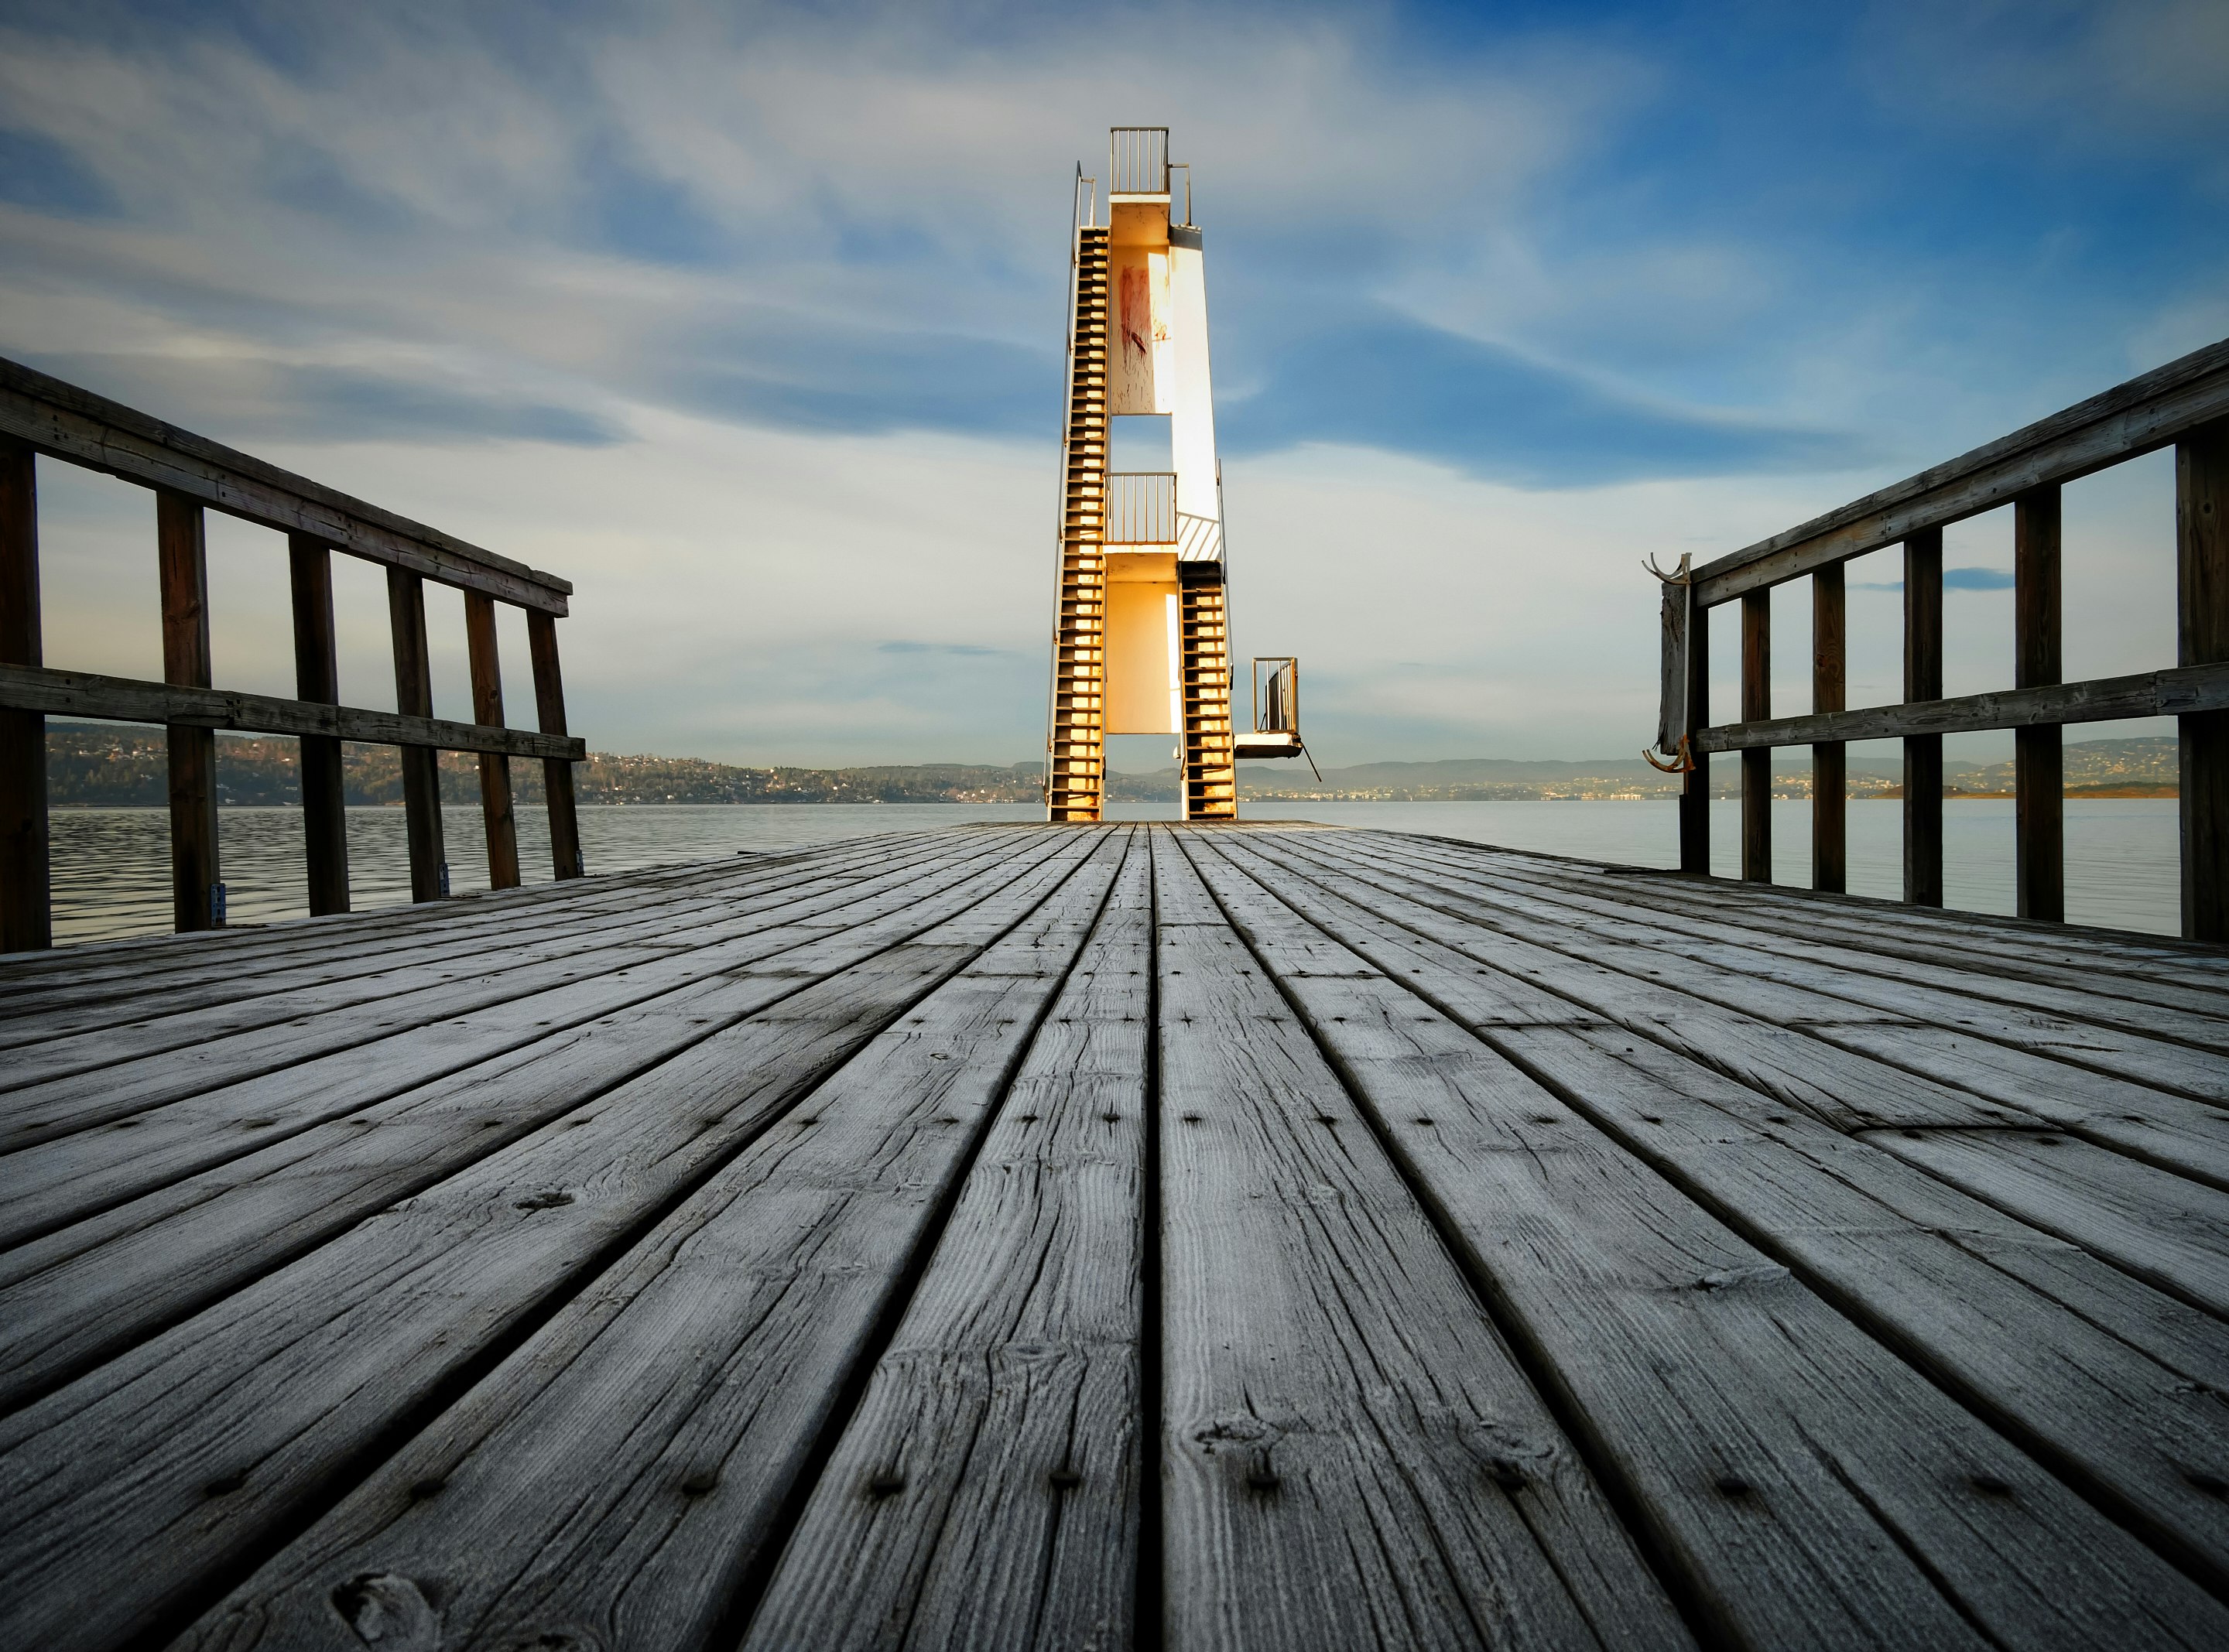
(747, 318)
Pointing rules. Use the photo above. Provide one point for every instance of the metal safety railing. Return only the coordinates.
(1141, 508)
(1138, 160)
(1277, 695)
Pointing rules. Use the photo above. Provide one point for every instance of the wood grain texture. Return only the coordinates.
(1350, 1456)
(1930, 1271)
(116, 1275)
(689, 1387)
(947, 1238)
(1768, 1441)
(300, 1376)
(987, 1492)
(1756, 761)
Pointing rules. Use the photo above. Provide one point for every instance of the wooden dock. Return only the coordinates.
(1257, 1236)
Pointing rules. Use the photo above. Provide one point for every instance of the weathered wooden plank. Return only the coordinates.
(110, 1063)
(2201, 518)
(1748, 1038)
(1756, 761)
(685, 1394)
(2162, 1046)
(126, 993)
(26, 911)
(556, 773)
(198, 709)
(2165, 973)
(76, 1172)
(1695, 1359)
(84, 1291)
(182, 561)
(2144, 413)
(2112, 1387)
(1350, 1456)
(2165, 1229)
(316, 677)
(86, 429)
(113, 970)
(300, 1382)
(1801, 1056)
(1830, 781)
(999, 1440)
(2201, 690)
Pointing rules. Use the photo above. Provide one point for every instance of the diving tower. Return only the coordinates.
(1141, 630)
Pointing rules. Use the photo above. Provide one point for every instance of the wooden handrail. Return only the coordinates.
(2184, 404)
(41, 416)
(81, 694)
(66, 422)
(2147, 693)
(2140, 417)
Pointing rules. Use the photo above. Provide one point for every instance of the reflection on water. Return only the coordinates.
(112, 870)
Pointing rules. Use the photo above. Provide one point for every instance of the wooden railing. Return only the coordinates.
(190, 474)
(2184, 403)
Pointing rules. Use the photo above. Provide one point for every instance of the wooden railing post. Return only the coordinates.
(1830, 773)
(317, 676)
(495, 767)
(183, 561)
(422, 767)
(1695, 788)
(26, 912)
(1756, 760)
(1922, 753)
(2201, 517)
(556, 773)
(2038, 758)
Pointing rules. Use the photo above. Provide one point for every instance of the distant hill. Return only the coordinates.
(123, 767)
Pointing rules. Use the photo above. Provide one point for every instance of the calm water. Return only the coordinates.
(112, 865)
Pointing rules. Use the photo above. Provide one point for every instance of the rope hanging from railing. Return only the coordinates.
(1682, 756)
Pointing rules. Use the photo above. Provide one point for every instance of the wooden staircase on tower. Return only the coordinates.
(1210, 776)
(1077, 759)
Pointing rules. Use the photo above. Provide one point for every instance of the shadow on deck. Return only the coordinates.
(1257, 1236)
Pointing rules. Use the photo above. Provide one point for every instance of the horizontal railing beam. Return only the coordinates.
(80, 694)
(2144, 414)
(68, 422)
(2147, 693)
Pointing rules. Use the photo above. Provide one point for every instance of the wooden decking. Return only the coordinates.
(1255, 1236)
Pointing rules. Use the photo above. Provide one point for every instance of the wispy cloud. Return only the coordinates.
(749, 317)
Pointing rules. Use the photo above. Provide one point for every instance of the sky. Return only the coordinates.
(747, 319)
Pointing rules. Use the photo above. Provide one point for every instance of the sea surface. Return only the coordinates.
(112, 865)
